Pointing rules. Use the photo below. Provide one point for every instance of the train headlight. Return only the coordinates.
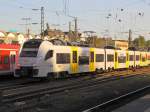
(35, 65)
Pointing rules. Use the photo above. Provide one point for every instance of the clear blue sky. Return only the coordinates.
(92, 15)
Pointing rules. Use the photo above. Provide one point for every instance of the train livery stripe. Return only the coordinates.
(74, 60)
(92, 60)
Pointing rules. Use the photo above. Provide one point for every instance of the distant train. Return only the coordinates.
(8, 58)
(39, 58)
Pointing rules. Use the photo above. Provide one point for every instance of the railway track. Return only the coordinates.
(108, 104)
(26, 95)
(37, 93)
(20, 83)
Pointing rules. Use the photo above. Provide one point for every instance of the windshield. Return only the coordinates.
(35, 43)
(28, 54)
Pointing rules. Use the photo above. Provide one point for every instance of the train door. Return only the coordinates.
(5, 60)
(116, 60)
(74, 61)
(92, 60)
(127, 59)
(12, 60)
(1, 67)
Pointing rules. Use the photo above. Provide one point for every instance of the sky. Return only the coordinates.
(108, 18)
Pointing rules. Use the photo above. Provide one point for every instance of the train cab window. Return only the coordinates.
(131, 57)
(83, 60)
(6, 59)
(74, 57)
(49, 54)
(110, 57)
(33, 43)
(99, 57)
(137, 57)
(91, 56)
(28, 53)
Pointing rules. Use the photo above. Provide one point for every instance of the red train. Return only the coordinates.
(8, 58)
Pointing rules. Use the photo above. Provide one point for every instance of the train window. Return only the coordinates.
(127, 55)
(91, 56)
(99, 57)
(137, 57)
(143, 59)
(116, 55)
(32, 43)
(140, 56)
(13, 58)
(148, 57)
(110, 57)
(83, 60)
(62, 58)
(6, 59)
(49, 54)
(121, 59)
(28, 54)
(131, 57)
(74, 57)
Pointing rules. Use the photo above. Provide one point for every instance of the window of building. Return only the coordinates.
(91, 56)
(49, 54)
(110, 57)
(62, 58)
(6, 59)
(121, 59)
(83, 60)
(99, 57)
(131, 58)
(137, 57)
(74, 57)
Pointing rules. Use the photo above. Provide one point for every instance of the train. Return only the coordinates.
(9, 54)
(56, 58)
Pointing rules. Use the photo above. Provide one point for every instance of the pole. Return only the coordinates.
(70, 31)
(26, 23)
(130, 37)
(76, 28)
(42, 22)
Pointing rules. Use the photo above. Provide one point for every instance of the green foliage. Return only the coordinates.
(140, 42)
(148, 43)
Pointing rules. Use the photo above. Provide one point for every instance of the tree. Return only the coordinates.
(148, 43)
(142, 42)
(139, 42)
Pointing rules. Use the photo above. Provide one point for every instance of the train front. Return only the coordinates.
(29, 59)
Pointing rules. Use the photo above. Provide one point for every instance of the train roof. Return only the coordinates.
(9, 46)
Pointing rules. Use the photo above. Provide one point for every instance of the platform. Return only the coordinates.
(140, 105)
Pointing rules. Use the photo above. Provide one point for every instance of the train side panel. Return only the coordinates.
(99, 59)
